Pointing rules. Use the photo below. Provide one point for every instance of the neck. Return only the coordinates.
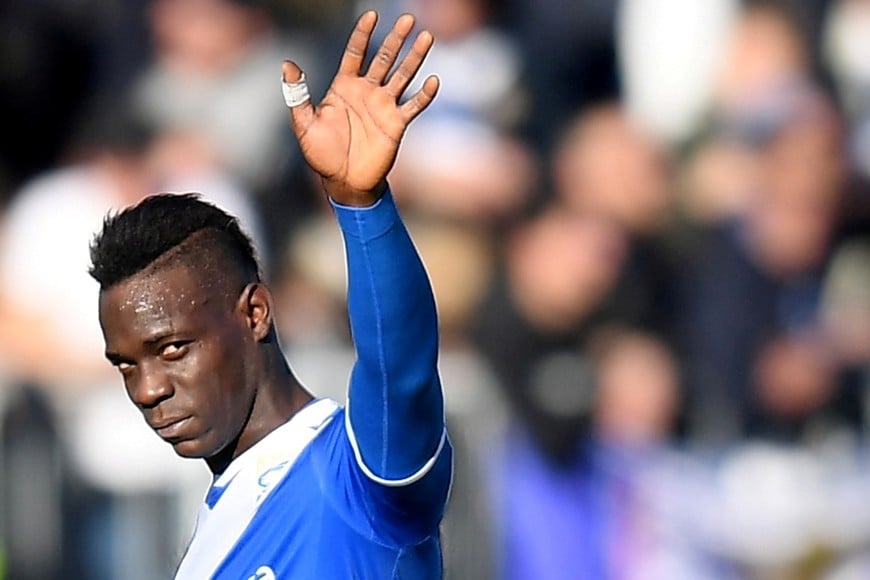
(278, 398)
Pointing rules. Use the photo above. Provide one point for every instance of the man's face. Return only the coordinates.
(181, 346)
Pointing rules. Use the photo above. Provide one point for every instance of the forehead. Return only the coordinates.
(159, 301)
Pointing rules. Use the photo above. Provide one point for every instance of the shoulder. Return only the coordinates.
(396, 513)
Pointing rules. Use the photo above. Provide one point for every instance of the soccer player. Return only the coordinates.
(302, 487)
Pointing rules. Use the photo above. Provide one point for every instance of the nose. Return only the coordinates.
(151, 387)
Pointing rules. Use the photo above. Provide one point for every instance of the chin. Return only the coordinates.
(192, 449)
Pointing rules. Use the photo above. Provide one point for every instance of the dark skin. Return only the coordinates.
(351, 139)
(200, 360)
(204, 369)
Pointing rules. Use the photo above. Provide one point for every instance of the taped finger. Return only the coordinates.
(295, 93)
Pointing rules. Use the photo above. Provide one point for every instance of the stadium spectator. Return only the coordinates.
(45, 232)
(759, 276)
(217, 60)
(453, 164)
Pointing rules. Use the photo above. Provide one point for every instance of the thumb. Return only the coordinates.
(296, 95)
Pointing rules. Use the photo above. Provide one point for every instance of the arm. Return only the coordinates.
(351, 140)
(396, 408)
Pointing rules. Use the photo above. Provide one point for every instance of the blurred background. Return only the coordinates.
(647, 223)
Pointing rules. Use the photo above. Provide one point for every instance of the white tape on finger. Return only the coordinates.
(295, 93)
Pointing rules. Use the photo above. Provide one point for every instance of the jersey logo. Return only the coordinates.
(270, 477)
(263, 573)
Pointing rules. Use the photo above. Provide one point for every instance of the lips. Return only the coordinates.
(172, 428)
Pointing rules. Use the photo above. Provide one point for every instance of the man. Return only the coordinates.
(302, 488)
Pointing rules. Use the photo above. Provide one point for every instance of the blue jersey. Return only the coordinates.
(347, 493)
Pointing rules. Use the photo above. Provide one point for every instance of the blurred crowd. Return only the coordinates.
(647, 224)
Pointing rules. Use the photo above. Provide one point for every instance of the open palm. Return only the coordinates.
(352, 137)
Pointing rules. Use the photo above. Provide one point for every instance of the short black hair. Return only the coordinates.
(133, 239)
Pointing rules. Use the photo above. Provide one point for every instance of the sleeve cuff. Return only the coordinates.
(366, 223)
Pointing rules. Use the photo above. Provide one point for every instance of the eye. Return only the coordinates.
(125, 367)
(174, 350)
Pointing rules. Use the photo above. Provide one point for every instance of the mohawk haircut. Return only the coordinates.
(135, 238)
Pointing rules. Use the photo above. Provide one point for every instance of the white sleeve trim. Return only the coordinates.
(414, 477)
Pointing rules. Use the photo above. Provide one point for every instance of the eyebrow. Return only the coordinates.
(115, 357)
(159, 336)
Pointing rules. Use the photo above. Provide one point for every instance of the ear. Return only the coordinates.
(255, 304)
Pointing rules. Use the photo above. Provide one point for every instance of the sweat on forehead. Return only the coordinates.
(168, 296)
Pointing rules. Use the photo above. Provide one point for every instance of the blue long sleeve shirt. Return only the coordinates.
(348, 493)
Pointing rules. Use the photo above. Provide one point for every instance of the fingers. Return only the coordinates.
(409, 66)
(301, 115)
(389, 50)
(421, 99)
(358, 44)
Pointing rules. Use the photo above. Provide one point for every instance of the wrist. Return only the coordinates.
(343, 194)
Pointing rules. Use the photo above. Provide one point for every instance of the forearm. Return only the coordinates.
(395, 401)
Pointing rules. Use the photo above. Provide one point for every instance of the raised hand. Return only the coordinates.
(352, 137)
